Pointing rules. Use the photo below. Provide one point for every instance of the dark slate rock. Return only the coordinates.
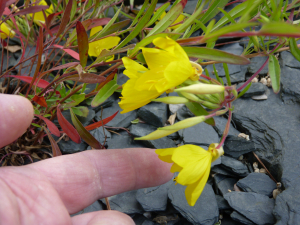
(287, 210)
(27, 64)
(255, 207)
(219, 169)
(138, 219)
(290, 90)
(96, 206)
(125, 202)
(237, 146)
(255, 89)
(220, 124)
(227, 220)
(240, 218)
(235, 48)
(100, 135)
(234, 166)
(148, 222)
(121, 120)
(259, 183)
(155, 113)
(8, 60)
(289, 60)
(69, 147)
(154, 198)
(184, 113)
(89, 87)
(224, 183)
(123, 140)
(142, 129)
(222, 203)
(190, 6)
(202, 213)
(256, 63)
(200, 134)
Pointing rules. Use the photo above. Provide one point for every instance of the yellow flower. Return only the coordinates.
(179, 19)
(193, 164)
(38, 17)
(6, 31)
(96, 47)
(168, 67)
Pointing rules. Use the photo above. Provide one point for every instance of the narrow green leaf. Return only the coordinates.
(198, 110)
(83, 43)
(217, 75)
(274, 72)
(105, 93)
(157, 14)
(168, 19)
(244, 90)
(227, 74)
(141, 25)
(84, 134)
(115, 27)
(216, 55)
(141, 11)
(280, 28)
(252, 8)
(294, 49)
(213, 10)
(82, 111)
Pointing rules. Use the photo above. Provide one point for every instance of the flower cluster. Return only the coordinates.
(193, 164)
(168, 67)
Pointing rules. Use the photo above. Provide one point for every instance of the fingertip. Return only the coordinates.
(16, 115)
(106, 217)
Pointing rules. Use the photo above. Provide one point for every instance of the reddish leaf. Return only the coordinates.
(55, 149)
(67, 65)
(99, 22)
(86, 136)
(71, 52)
(41, 83)
(32, 9)
(8, 3)
(108, 78)
(83, 43)
(52, 127)
(89, 78)
(40, 100)
(2, 7)
(6, 11)
(183, 3)
(67, 127)
(101, 123)
(65, 18)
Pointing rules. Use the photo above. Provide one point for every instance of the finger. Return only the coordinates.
(103, 217)
(82, 178)
(16, 115)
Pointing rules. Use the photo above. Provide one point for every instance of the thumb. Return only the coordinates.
(16, 114)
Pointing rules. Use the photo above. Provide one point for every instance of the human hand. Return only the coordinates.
(47, 192)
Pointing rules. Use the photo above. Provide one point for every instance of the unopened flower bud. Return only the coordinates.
(202, 89)
(171, 100)
(184, 123)
(189, 96)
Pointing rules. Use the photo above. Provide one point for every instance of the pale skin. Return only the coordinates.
(49, 191)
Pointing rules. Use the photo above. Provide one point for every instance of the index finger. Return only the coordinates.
(82, 178)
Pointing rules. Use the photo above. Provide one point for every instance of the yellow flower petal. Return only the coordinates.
(6, 31)
(175, 168)
(133, 68)
(165, 154)
(157, 58)
(95, 30)
(170, 46)
(193, 191)
(96, 47)
(38, 17)
(179, 19)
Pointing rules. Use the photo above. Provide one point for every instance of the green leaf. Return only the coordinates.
(157, 14)
(294, 49)
(82, 111)
(36, 125)
(251, 8)
(244, 90)
(216, 55)
(83, 43)
(141, 25)
(105, 93)
(280, 29)
(141, 11)
(217, 75)
(227, 74)
(198, 110)
(168, 19)
(84, 134)
(274, 72)
(213, 10)
(76, 99)
(115, 27)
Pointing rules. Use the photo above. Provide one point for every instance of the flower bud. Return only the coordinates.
(171, 100)
(184, 123)
(202, 89)
(216, 153)
(189, 96)
(156, 135)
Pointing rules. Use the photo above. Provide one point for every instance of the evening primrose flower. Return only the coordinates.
(168, 67)
(193, 164)
(6, 31)
(96, 47)
(38, 17)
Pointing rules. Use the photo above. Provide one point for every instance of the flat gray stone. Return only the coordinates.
(224, 184)
(237, 146)
(234, 166)
(240, 218)
(154, 113)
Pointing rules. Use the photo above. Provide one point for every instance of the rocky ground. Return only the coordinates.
(239, 191)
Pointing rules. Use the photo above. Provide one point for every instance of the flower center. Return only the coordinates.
(197, 71)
